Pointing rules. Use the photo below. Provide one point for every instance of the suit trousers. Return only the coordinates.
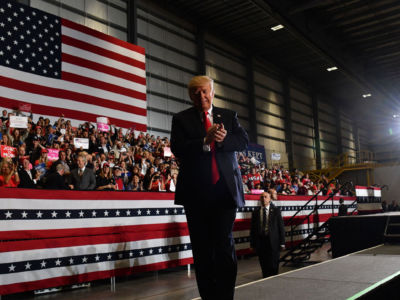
(210, 223)
(269, 261)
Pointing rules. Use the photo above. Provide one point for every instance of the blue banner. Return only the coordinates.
(257, 152)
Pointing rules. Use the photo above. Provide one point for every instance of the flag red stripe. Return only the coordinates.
(103, 52)
(102, 68)
(102, 36)
(32, 194)
(66, 94)
(105, 235)
(86, 277)
(68, 113)
(102, 85)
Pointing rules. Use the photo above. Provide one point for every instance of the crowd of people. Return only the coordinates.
(118, 160)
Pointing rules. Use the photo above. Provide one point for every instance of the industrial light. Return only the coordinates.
(396, 116)
(277, 27)
(332, 69)
(366, 95)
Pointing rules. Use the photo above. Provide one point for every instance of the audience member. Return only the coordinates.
(82, 178)
(8, 174)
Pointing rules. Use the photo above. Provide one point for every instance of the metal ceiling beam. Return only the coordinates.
(309, 33)
(349, 17)
(307, 5)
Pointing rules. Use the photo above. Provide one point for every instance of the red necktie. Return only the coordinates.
(214, 166)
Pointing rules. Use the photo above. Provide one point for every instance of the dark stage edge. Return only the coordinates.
(339, 278)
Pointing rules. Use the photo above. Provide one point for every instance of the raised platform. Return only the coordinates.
(341, 278)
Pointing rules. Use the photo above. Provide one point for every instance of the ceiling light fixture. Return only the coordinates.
(332, 69)
(277, 27)
(366, 95)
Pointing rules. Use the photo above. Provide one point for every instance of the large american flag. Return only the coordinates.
(61, 67)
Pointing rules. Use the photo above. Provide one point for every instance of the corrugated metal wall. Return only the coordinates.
(172, 54)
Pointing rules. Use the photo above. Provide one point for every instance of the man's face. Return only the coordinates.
(63, 156)
(274, 195)
(81, 162)
(26, 164)
(4, 113)
(202, 96)
(265, 199)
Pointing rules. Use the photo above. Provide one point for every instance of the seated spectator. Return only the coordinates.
(105, 181)
(56, 180)
(8, 174)
(28, 178)
(136, 184)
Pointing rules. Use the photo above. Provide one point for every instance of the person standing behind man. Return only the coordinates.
(267, 235)
(342, 208)
(82, 178)
(205, 139)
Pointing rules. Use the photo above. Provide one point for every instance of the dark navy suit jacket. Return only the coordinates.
(194, 179)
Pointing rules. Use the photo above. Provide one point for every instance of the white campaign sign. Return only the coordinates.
(81, 142)
(18, 122)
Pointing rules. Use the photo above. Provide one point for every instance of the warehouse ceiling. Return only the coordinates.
(359, 37)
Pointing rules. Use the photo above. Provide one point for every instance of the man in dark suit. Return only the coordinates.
(28, 178)
(342, 208)
(82, 178)
(205, 139)
(267, 235)
(56, 180)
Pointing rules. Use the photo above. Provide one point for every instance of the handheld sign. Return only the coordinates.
(18, 122)
(7, 151)
(81, 142)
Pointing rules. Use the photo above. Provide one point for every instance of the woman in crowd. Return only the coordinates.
(8, 174)
(105, 181)
(136, 184)
(156, 183)
(6, 141)
(170, 186)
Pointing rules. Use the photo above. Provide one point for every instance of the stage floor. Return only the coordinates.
(338, 278)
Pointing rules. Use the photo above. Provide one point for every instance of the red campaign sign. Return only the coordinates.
(25, 107)
(7, 151)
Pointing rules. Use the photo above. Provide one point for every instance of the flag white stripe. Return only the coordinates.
(67, 67)
(102, 43)
(19, 203)
(92, 267)
(45, 253)
(70, 104)
(70, 86)
(53, 224)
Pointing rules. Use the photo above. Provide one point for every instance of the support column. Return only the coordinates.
(317, 138)
(339, 132)
(356, 138)
(251, 100)
(132, 21)
(201, 52)
(288, 122)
